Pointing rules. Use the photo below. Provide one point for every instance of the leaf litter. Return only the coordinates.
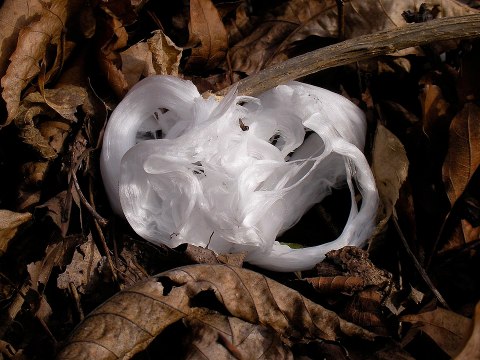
(64, 254)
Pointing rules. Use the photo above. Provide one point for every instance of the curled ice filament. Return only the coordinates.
(233, 175)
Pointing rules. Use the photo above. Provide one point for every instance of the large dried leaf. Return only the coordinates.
(112, 37)
(32, 45)
(463, 155)
(58, 210)
(449, 330)
(14, 15)
(131, 319)
(158, 55)
(471, 350)
(10, 222)
(207, 28)
(216, 336)
(80, 271)
(299, 19)
(390, 168)
(165, 54)
(55, 255)
(136, 61)
(59, 106)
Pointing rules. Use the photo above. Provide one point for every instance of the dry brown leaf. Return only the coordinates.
(355, 262)
(471, 350)
(390, 168)
(449, 330)
(165, 54)
(364, 288)
(113, 37)
(64, 99)
(207, 28)
(336, 284)
(80, 271)
(218, 337)
(32, 45)
(41, 270)
(7, 350)
(58, 209)
(10, 222)
(158, 55)
(241, 24)
(14, 15)
(435, 109)
(463, 155)
(136, 61)
(47, 137)
(131, 319)
(366, 310)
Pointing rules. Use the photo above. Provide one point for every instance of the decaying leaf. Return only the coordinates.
(471, 350)
(366, 310)
(354, 262)
(336, 284)
(165, 54)
(14, 15)
(59, 106)
(434, 107)
(136, 61)
(32, 45)
(158, 55)
(80, 271)
(463, 156)
(113, 37)
(390, 168)
(449, 330)
(206, 28)
(10, 222)
(58, 209)
(131, 319)
(216, 336)
(41, 270)
(349, 275)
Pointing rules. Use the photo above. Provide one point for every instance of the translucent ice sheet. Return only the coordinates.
(232, 175)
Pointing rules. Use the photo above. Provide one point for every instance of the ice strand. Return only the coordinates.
(233, 175)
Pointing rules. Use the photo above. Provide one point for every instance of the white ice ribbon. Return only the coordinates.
(232, 175)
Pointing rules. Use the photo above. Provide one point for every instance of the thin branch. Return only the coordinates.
(360, 48)
(418, 266)
(102, 221)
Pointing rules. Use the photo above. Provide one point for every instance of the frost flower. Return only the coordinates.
(233, 175)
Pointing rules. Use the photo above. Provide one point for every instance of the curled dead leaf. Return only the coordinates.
(165, 54)
(216, 336)
(60, 105)
(10, 222)
(336, 284)
(14, 15)
(158, 55)
(207, 29)
(33, 42)
(131, 319)
(449, 330)
(390, 168)
(55, 255)
(463, 156)
(80, 271)
(113, 37)
(471, 350)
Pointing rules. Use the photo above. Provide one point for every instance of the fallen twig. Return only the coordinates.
(360, 48)
(418, 266)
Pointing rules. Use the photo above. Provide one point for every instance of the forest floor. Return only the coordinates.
(76, 282)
